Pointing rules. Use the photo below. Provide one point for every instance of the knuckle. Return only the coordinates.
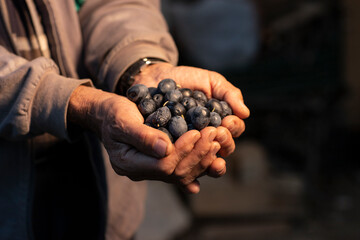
(204, 164)
(237, 93)
(181, 173)
(200, 154)
(222, 135)
(217, 75)
(166, 169)
(185, 150)
(146, 137)
(186, 181)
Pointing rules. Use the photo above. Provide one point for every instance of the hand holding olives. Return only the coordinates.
(177, 109)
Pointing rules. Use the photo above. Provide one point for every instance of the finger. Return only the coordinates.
(224, 90)
(204, 164)
(147, 140)
(217, 168)
(183, 147)
(181, 141)
(185, 144)
(127, 160)
(225, 140)
(235, 100)
(201, 149)
(235, 125)
(191, 188)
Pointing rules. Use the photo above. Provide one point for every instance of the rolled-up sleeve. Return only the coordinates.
(117, 33)
(33, 97)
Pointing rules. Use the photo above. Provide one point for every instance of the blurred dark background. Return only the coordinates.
(295, 173)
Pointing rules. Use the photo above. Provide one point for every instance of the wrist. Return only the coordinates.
(128, 78)
(153, 74)
(84, 108)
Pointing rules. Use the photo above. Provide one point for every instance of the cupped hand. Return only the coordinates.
(213, 85)
(187, 160)
(138, 151)
(142, 152)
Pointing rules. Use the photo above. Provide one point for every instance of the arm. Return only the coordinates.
(141, 152)
(118, 33)
(33, 97)
(138, 30)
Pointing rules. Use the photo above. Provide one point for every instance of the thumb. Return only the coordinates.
(148, 140)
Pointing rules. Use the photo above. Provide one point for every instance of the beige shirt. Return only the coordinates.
(97, 44)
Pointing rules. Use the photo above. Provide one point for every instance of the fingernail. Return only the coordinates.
(220, 171)
(160, 148)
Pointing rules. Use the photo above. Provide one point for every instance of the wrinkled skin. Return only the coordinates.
(141, 152)
(213, 85)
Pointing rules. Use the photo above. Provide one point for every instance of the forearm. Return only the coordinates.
(33, 97)
(137, 29)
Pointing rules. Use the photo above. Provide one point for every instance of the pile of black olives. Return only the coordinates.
(175, 110)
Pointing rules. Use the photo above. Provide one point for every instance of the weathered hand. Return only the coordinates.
(136, 150)
(213, 85)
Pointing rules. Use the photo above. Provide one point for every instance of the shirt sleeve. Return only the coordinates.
(33, 97)
(117, 33)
